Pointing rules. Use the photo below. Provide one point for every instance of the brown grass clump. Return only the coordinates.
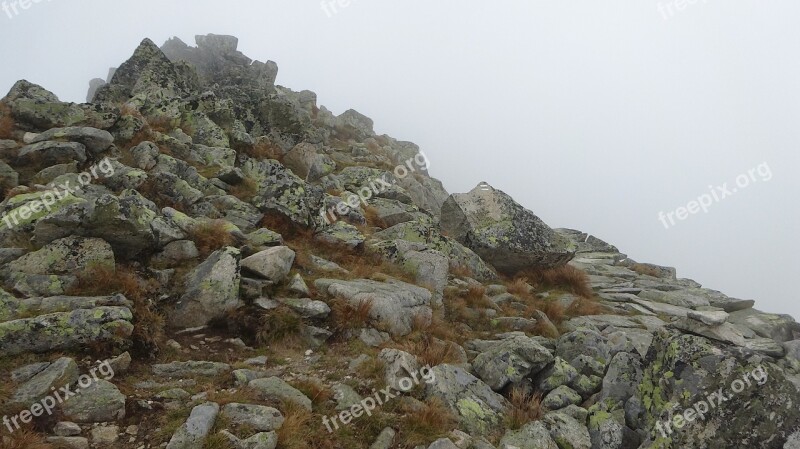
(263, 327)
(645, 269)
(148, 324)
(346, 316)
(421, 427)
(23, 439)
(373, 219)
(565, 277)
(318, 393)
(461, 271)
(245, 190)
(519, 286)
(301, 430)
(430, 351)
(525, 407)
(264, 149)
(7, 123)
(584, 307)
(210, 236)
(554, 310)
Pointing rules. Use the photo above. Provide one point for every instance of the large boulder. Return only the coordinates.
(511, 361)
(479, 410)
(502, 232)
(394, 303)
(212, 289)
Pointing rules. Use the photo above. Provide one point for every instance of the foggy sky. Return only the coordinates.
(596, 115)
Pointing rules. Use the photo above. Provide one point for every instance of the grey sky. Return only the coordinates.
(596, 115)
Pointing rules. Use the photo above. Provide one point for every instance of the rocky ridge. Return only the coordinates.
(242, 265)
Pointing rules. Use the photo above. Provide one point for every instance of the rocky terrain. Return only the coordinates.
(200, 258)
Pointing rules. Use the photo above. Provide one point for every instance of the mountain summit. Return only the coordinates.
(198, 257)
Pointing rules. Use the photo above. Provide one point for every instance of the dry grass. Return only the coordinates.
(211, 235)
(565, 277)
(264, 150)
(584, 306)
(430, 351)
(7, 123)
(525, 407)
(148, 330)
(301, 430)
(422, 427)
(24, 439)
(263, 327)
(373, 219)
(461, 271)
(318, 393)
(553, 309)
(519, 286)
(645, 269)
(245, 190)
(346, 316)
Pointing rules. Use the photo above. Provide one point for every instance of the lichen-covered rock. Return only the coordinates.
(533, 435)
(479, 410)
(502, 232)
(341, 234)
(682, 370)
(66, 256)
(511, 361)
(560, 398)
(272, 264)
(101, 401)
(555, 375)
(212, 289)
(95, 140)
(567, 432)
(60, 373)
(66, 330)
(257, 417)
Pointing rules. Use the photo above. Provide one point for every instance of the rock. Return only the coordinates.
(560, 398)
(725, 332)
(622, 377)
(60, 373)
(105, 435)
(511, 361)
(65, 331)
(584, 342)
(533, 435)
(261, 440)
(257, 417)
(100, 402)
(26, 372)
(190, 369)
(345, 396)
(46, 154)
(306, 307)
(709, 318)
(272, 264)
(394, 303)
(276, 388)
(66, 256)
(193, 433)
(605, 432)
(384, 440)
(67, 429)
(780, 328)
(502, 232)
(341, 233)
(566, 432)
(212, 290)
(69, 442)
(298, 285)
(443, 443)
(399, 365)
(479, 410)
(559, 373)
(306, 162)
(93, 139)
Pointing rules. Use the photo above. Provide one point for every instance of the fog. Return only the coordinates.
(601, 116)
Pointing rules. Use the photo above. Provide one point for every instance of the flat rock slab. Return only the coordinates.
(193, 433)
